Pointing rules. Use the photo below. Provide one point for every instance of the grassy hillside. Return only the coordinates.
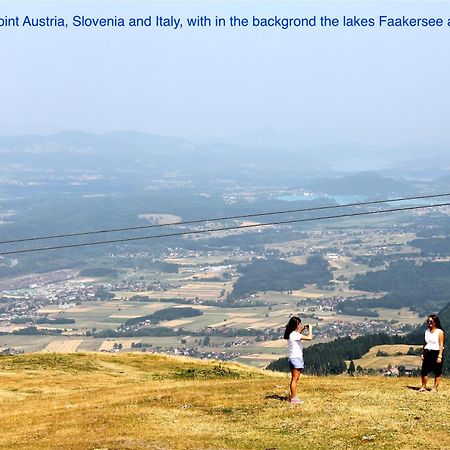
(133, 401)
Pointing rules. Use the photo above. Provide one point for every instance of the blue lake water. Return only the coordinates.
(340, 199)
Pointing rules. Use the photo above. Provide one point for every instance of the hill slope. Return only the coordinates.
(133, 401)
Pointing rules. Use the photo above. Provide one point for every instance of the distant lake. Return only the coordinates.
(340, 199)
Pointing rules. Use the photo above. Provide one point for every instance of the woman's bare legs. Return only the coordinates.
(437, 380)
(295, 375)
(424, 384)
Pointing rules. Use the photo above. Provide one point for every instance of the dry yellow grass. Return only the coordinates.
(9, 328)
(300, 260)
(175, 323)
(308, 294)
(138, 401)
(275, 344)
(203, 276)
(123, 316)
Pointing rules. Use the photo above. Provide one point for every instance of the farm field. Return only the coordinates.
(201, 290)
(193, 261)
(63, 346)
(371, 361)
(197, 280)
(403, 315)
(24, 343)
(110, 314)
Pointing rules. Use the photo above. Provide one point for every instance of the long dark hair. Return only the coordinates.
(291, 326)
(436, 321)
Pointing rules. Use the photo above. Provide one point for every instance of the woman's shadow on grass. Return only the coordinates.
(283, 398)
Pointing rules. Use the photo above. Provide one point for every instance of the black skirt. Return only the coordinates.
(430, 363)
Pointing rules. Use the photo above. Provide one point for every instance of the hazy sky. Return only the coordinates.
(370, 85)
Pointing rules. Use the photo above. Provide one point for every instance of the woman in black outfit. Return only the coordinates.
(433, 352)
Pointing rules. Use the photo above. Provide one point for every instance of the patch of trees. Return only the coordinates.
(434, 246)
(103, 295)
(141, 345)
(55, 321)
(279, 275)
(140, 298)
(153, 332)
(248, 241)
(210, 280)
(165, 267)
(372, 261)
(348, 308)
(329, 358)
(430, 226)
(42, 320)
(165, 314)
(100, 272)
(21, 320)
(411, 352)
(34, 331)
(38, 263)
(414, 352)
(421, 288)
(351, 368)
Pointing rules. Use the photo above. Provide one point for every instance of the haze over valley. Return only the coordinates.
(225, 294)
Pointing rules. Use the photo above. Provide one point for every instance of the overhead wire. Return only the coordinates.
(215, 230)
(217, 219)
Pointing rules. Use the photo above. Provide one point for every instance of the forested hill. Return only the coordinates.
(330, 357)
(422, 288)
(280, 275)
(416, 336)
(444, 316)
